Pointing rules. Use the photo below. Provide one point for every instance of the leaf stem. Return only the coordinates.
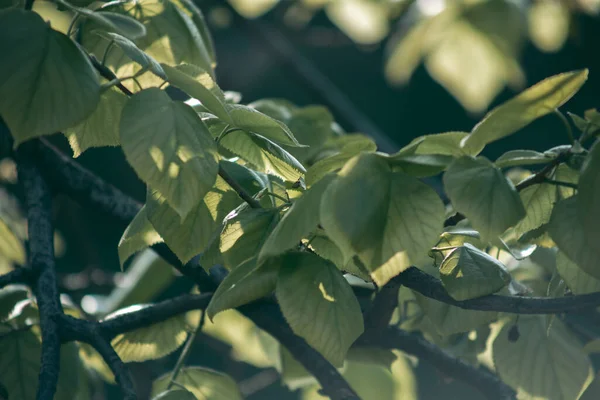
(185, 352)
(286, 201)
(252, 202)
(108, 48)
(567, 125)
(561, 183)
(72, 24)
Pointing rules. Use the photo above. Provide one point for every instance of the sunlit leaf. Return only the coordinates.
(468, 272)
(535, 102)
(420, 165)
(31, 106)
(447, 143)
(579, 281)
(92, 360)
(151, 342)
(480, 191)
(169, 148)
(365, 22)
(538, 201)
(514, 158)
(200, 85)
(190, 236)
(265, 155)
(101, 128)
(567, 230)
(133, 52)
(301, 219)
(245, 233)
(175, 394)
(139, 235)
(247, 282)
(11, 247)
(319, 304)
(541, 364)
(395, 217)
(253, 121)
(204, 383)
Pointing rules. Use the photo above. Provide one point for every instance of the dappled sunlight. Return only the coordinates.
(431, 7)
(252, 8)
(158, 157)
(173, 170)
(324, 293)
(366, 22)
(184, 153)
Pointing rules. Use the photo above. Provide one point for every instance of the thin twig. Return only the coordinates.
(17, 276)
(252, 202)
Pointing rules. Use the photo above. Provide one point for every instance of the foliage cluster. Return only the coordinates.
(269, 204)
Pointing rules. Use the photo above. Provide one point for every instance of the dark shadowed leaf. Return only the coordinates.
(245, 283)
(32, 106)
(319, 304)
(588, 196)
(468, 272)
(579, 281)
(395, 217)
(175, 394)
(301, 219)
(542, 363)
(514, 158)
(538, 201)
(480, 191)
(253, 121)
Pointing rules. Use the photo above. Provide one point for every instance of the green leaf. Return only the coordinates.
(133, 52)
(151, 342)
(11, 247)
(482, 193)
(514, 158)
(541, 364)
(204, 383)
(169, 148)
(389, 219)
(244, 284)
(449, 320)
(301, 219)
(171, 38)
(588, 196)
(468, 272)
(564, 173)
(447, 143)
(138, 235)
(343, 148)
(538, 201)
(319, 304)
(263, 154)
(205, 43)
(539, 100)
(126, 26)
(253, 121)
(46, 83)
(312, 127)
(92, 360)
(579, 281)
(20, 365)
(191, 236)
(200, 85)
(245, 233)
(420, 165)
(175, 394)
(566, 229)
(110, 21)
(101, 128)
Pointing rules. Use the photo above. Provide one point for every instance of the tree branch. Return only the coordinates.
(19, 275)
(91, 191)
(379, 315)
(431, 287)
(41, 261)
(411, 343)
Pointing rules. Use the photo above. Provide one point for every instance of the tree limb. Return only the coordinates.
(41, 261)
(431, 287)
(19, 275)
(411, 343)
